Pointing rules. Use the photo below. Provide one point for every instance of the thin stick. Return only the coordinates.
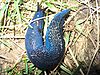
(97, 48)
(45, 73)
(73, 15)
(3, 57)
(75, 60)
(12, 37)
(39, 18)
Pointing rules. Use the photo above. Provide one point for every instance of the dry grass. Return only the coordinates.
(81, 34)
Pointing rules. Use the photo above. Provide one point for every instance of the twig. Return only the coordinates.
(71, 41)
(86, 36)
(16, 44)
(12, 37)
(18, 60)
(97, 48)
(91, 17)
(45, 73)
(66, 60)
(71, 18)
(3, 57)
(75, 60)
(7, 27)
(39, 18)
(82, 32)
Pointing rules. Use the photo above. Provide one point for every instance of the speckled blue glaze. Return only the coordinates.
(48, 55)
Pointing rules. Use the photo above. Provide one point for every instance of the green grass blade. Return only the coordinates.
(16, 2)
(66, 70)
(77, 70)
(26, 67)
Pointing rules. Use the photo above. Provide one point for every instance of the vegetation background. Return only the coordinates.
(81, 34)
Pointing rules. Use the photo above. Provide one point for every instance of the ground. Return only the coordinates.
(81, 34)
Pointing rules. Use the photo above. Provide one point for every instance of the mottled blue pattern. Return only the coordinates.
(48, 55)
